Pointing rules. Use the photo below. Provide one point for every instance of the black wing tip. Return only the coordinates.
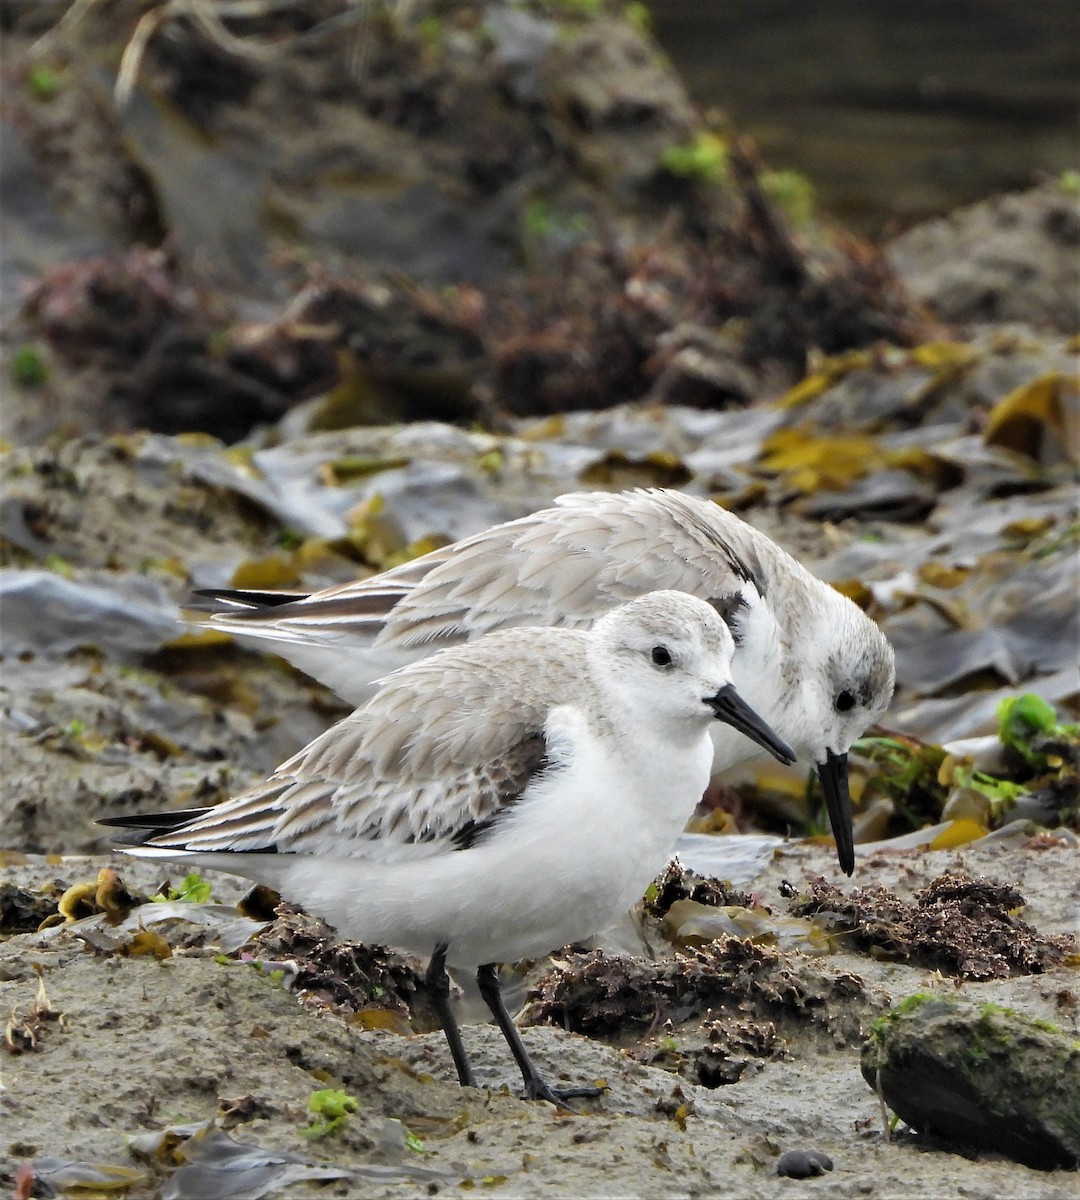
(142, 827)
(159, 821)
(240, 599)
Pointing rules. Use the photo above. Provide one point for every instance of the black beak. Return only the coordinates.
(834, 782)
(732, 709)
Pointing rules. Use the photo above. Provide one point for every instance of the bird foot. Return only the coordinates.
(537, 1089)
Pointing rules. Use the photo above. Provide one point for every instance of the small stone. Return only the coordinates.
(803, 1164)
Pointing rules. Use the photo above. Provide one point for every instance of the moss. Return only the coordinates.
(703, 158)
(43, 82)
(792, 191)
(997, 1029)
(988, 1011)
(901, 1009)
(431, 30)
(1069, 182)
(27, 367)
(911, 1003)
(579, 8)
(638, 17)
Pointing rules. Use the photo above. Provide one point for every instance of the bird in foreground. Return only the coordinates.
(494, 801)
(806, 658)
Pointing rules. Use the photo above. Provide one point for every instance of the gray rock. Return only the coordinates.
(1009, 258)
(803, 1164)
(46, 613)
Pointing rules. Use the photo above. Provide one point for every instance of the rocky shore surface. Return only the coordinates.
(312, 295)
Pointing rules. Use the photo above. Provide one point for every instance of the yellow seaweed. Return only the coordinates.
(811, 463)
(855, 590)
(198, 639)
(620, 470)
(274, 571)
(147, 944)
(1050, 403)
(943, 356)
(959, 833)
(939, 575)
(824, 375)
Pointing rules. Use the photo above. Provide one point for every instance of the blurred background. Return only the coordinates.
(895, 111)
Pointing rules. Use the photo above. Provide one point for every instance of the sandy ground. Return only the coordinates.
(143, 1044)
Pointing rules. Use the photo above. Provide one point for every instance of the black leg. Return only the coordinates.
(487, 979)
(439, 985)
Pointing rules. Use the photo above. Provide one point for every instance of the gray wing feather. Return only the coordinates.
(566, 565)
(436, 750)
(560, 566)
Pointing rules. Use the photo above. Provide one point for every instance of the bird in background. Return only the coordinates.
(493, 801)
(806, 658)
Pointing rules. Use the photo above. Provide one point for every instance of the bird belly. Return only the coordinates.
(573, 854)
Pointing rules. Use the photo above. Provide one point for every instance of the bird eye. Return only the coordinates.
(844, 702)
(661, 656)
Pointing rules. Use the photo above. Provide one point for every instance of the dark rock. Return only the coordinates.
(508, 172)
(803, 1164)
(980, 1076)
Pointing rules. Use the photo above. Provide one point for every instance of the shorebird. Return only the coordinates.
(807, 658)
(494, 801)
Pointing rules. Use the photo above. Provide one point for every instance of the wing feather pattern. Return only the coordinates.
(412, 771)
(563, 565)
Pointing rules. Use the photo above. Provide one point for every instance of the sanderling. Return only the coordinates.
(808, 659)
(495, 801)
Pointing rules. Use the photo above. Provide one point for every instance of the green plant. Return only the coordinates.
(1026, 723)
(580, 8)
(27, 367)
(330, 1108)
(638, 17)
(542, 220)
(1069, 182)
(792, 191)
(192, 888)
(703, 158)
(1000, 792)
(43, 82)
(907, 772)
(431, 29)
(54, 562)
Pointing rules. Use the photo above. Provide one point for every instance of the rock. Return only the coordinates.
(803, 1164)
(46, 613)
(980, 1076)
(1009, 258)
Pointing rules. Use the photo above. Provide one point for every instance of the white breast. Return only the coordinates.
(573, 854)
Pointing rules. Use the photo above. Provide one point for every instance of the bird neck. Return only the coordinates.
(762, 668)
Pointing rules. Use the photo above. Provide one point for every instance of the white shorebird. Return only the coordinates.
(494, 801)
(807, 658)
